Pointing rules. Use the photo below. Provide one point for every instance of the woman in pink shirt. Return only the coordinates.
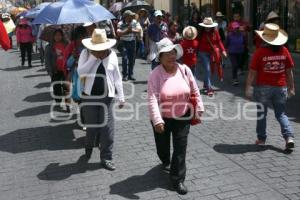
(25, 40)
(169, 88)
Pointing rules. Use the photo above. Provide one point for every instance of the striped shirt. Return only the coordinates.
(122, 26)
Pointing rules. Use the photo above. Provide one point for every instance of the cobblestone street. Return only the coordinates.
(42, 158)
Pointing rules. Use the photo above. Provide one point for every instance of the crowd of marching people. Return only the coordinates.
(176, 52)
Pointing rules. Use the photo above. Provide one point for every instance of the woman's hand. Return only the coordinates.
(121, 104)
(159, 128)
(225, 54)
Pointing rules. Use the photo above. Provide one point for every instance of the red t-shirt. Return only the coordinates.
(59, 49)
(271, 66)
(190, 48)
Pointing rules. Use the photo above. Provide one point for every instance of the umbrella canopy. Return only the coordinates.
(72, 12)
(32, 13)
(137, 5)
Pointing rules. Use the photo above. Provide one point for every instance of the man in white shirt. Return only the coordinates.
(127, 30)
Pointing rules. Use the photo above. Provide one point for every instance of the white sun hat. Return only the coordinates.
(189, 33)
(272, 34)
(166, 45)
(208, 22)
(98, 41)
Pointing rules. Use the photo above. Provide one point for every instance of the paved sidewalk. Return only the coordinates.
(41, 159)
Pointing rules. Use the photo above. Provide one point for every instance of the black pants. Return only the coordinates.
(180, 130)
(236, 60)
(59, 86)
(99, 120)
(26, 48)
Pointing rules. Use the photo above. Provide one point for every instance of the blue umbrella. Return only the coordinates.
(72, 12)
(32, 13)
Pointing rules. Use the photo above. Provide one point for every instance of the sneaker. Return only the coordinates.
(84, 128)
(180, 188)
(289, 143)
(131, 78)
(108, 164)
(260, 142)
(125, 79)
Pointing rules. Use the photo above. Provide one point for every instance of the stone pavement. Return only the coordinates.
(41, 158)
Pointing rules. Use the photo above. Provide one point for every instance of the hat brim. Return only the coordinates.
(98, 47)
(281, 39)
(177, 47)
(209, 26)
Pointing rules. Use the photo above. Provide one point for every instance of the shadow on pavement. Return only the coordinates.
(43, 85)
(39, 110)
(40, 97)
(50, 138)
(246, 148)
(56, 172)
(17, 68)
(35, 75)
(129, 188)
(140, 82)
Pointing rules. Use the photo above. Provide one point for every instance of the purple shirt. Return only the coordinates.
(235, 42)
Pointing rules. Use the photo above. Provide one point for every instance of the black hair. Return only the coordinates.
(78, 32)
(62, 34)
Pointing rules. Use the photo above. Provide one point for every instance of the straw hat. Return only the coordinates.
(208, 23)
(166, 45)
(98, 41)
(272, 15)
(87, 24)
(5, 15)
(219, 14)
(273, 35)
(158, 13)
(128, 13)
(189, 33)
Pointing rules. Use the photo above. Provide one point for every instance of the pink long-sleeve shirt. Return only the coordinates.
(168, 95)
(24, 35)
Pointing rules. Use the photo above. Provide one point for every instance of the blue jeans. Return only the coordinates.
(277, 96)
(205, 60)
(128, 58)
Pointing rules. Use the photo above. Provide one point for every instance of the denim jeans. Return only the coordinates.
(128, 58)
(205, 60)
(277, 96)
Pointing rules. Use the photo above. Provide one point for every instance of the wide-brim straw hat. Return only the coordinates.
(189, 33)
(166, 45)
(208, 23)
(219, 14)
(272, 15)
(272, 34)
(99, 41)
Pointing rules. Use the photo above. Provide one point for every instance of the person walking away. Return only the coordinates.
(170, 86)
(54, 63)
(272, 70)
(210, 48)
(235, 44)
(98, 64)
(25, 40)
(156, 32)
(190, 46)
(127, 30)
